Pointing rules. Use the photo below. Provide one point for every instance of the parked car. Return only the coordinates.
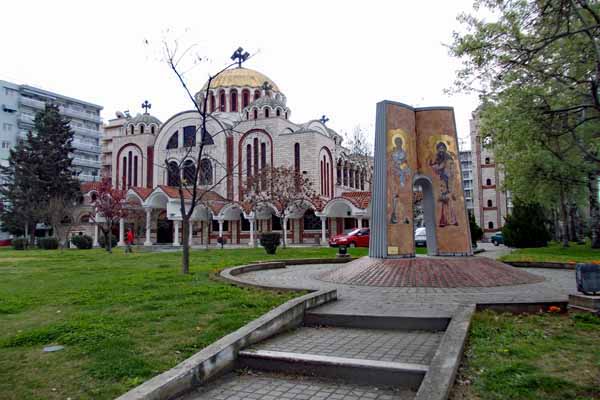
(356, 238)
(497, 239)
(421, 237)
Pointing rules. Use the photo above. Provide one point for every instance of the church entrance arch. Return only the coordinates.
(422, 185)
(164, 229)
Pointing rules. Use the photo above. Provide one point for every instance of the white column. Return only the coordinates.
(323, 231)
(96, 243)
(360, 224)
(191, 232)
(121, 232)
(251, 243)
(284, 229)
(176, 233)
(220, 228)
(148, 242)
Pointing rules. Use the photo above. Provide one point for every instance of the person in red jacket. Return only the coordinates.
(129, 241)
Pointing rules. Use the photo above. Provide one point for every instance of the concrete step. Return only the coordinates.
(406, 322)
(370, 372)
(268, 386)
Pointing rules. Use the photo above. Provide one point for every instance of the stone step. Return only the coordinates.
(370, 372)
(268, 386)
(406, 322)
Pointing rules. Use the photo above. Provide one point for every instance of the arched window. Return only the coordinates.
(233, 107)
(256, 94)
(135, 171)
(489, 203)
(247, 115)
(211, 99)
(189, 136)
(351, 178)
(141, 128)
(362, 180)
(173, 174)
(245, 98)
(255, 113)
(255, 155)
(490, 225)
(311, 221)
(129, 168)
(488, 182)
(286, 115)
(189, 171)
(266, 113)
(206, 172)
(345, 174)
(278, 112)
(131, 129)
(152, 131)
(248, 160)
(173, 142)
(222, 101)
(124, 175)
(487, 160)
(297, 157)
(339, 172)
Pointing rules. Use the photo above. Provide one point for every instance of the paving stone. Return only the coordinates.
(417, 347)
(263, 386)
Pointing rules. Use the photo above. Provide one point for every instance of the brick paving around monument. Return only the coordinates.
(266, 386)
(416, 347)
(429, 272)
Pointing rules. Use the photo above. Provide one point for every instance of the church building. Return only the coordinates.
(250, 128)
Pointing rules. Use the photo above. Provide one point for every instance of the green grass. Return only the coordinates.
(555, 253)
(122, 318)
(551, 357)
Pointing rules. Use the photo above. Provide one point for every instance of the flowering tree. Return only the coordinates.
(110, 207)
(284, 188)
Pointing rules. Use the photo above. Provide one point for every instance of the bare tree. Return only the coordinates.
(110, 206)
(188, 185)
(283, 188)
(58, 214)
(361, 153)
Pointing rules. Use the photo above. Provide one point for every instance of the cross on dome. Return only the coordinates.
(324, 119)
(240, 56)
(146, 106)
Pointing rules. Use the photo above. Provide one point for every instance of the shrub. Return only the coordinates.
(270, 241)
(113, 241)
(526, 226)
(49, 243)
(82, 242)
(19, 243)
(476, 231)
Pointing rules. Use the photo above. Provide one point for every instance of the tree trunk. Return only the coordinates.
(109, 239)
(185, 259)
(573, 222)
(284, 231)
(565, 219)
(594, 209)
(27, 239)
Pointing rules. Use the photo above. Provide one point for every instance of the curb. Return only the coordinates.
(221, 356)
(540, 264)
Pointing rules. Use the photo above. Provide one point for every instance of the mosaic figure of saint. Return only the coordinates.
(400, 161)
(443, 166)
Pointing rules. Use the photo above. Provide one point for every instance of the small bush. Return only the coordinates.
(113, 241)
(19, 243)
(270, 241)
(49, 243)
(476, 231)
(82, 242)
(526, 226)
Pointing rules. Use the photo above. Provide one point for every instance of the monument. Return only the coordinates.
(417, 147)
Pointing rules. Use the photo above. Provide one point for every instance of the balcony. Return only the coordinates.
(27, 101)
(88, 178)
(86, 146)
(86, 163)
(86, 131)
(26, 119)
(80, 115)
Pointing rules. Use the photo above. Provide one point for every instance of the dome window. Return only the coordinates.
(141, 128)
(266, 113)
(278, 112)
(245, 98)
(255, 113)
(152, 131)
(131, 129)
(222, 101)
(173, 142)
(233, 107)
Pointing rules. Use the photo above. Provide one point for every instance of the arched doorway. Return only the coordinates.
(164, 229)
(423, 186)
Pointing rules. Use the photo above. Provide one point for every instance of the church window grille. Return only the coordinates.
(206, 172)
(234, 101)
(173, 174)
(189, 136)
(222, 101)
(297, 157)
(189, 172)
(173, 142)
(129, 169)
(135, 171)
(249, 160)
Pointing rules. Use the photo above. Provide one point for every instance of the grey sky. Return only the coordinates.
(329, 57)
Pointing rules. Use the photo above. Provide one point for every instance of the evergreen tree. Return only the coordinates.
(476, 231)
(526, 226)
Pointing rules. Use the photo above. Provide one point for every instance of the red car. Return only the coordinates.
(356, 238)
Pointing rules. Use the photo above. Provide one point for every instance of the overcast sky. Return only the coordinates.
(337, 58)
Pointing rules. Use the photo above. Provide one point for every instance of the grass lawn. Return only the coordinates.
(122, 318)
(556, 253)
(551, 357)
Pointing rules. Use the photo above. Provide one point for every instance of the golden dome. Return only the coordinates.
(240, 77)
